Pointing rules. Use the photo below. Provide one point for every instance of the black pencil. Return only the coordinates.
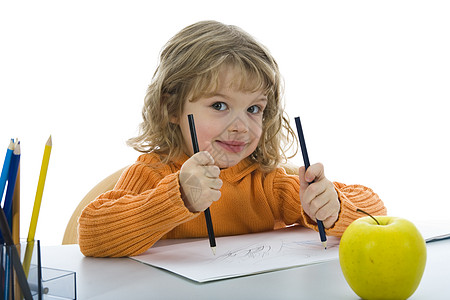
(323, 236)
(15, 257)
(209, 226)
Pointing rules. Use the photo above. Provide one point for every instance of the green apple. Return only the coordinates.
(384, 260)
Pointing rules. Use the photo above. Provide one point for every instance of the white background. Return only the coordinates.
(370, 80)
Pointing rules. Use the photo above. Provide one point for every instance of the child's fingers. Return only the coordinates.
(329, 222)
(204, 199)
(311, 194)
(211, 171)
(215, 195)
(210, 197)
(303, 183)
(330, 208)
(215, 184)
(314, 173)
(202, 158)
(318, 196)
(320, 200)
(316, 203)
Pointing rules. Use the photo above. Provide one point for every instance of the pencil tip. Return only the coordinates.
(17, 148)
(324, 245)
(49, 141)
(213, 250)
(11, 146)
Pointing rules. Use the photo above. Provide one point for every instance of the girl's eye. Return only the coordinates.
(254, 109)
(219, 106)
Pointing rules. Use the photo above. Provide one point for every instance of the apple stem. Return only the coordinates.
(360, 210)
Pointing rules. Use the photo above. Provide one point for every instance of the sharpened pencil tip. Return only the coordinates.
(17, 149)
(49, 141)
(324, 245)
(11, 144)
(213, 250)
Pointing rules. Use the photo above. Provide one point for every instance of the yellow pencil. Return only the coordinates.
(37, 205)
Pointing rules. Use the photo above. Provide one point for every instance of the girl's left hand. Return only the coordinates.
(318, 196)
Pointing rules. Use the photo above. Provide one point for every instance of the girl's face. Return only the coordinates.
(228, 123)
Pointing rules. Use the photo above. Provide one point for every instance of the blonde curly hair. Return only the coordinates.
(189, 69)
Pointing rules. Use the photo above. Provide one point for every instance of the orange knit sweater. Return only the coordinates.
(146, 205)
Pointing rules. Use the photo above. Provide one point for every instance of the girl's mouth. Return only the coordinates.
(232, 146)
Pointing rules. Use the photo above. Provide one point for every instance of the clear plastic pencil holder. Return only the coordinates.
(23, 277)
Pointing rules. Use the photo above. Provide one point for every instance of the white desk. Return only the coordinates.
(123, 278)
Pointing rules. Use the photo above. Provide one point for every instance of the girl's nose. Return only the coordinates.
(238, 125)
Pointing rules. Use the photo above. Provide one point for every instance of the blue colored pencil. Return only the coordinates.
(7, 208)
(12, 176)
(5, 169)
(323, 236)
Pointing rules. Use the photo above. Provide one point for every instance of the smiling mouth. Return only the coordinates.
(232, 146)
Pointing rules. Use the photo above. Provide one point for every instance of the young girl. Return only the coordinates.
(231, 84)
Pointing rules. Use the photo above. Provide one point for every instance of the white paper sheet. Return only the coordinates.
(243, 254)
(256, 253)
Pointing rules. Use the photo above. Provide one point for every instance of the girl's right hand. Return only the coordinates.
(200, 182)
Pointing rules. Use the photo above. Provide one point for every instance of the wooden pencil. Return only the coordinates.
(16, 210)
(40, 190)
(8, 208)
(37, 205)
(209, 226)
(323, 236)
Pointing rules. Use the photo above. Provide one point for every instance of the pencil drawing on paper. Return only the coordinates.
(263, 251)
(253, 252)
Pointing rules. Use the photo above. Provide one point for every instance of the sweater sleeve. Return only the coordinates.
(131, 218)
(351, 198)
